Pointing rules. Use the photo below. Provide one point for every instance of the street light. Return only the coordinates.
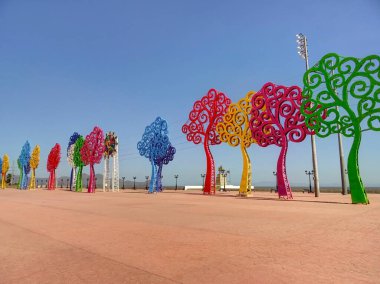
(224, 175)
(275, 174)
(134, 182)
(309, 173)
(123, 182)
(303, 52)
(176, 177)
(203, 180)
(146, 184)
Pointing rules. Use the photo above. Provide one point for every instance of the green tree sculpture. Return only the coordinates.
(79, 164)
(342, 95)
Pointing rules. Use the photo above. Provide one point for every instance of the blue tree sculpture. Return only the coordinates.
(24, 163)
(163, 160)
(70, 158)
(154, 143)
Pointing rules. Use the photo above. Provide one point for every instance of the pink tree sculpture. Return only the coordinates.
(92, 152)
(201, 128)
(276, 119)
(52, 164)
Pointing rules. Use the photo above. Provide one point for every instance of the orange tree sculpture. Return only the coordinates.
(235, 131)
(201, 128)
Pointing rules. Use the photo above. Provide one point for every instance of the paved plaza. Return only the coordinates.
(185, 237)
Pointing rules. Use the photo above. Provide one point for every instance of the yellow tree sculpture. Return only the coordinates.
(4, 169)
(235, 131)
(34, 161)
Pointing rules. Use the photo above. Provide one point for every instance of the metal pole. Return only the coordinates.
(176, 177)
(341, 158)
(313, 146)
(341, 155)
(224, 175)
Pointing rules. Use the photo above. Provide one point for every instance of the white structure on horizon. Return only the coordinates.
(111, 151)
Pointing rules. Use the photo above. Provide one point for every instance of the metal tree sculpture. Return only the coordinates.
(235, 131)
(92, 152)
(24, 163)
(78, 162)
(201, 128)
(276, 119)
(154, 143)
(111, 150)
(34, 162)
(4, 170)
(52, 164)
(70, 158)
(331, 86)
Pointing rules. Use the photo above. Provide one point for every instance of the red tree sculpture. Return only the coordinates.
(201, 128)
(92, 152)
(276, 119)
(52, 164)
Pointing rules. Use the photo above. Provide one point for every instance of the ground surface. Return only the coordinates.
(184, 237)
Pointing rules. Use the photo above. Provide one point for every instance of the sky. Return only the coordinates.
(71, 65)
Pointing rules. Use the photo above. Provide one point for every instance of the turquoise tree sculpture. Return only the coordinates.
(24, 166)
(342, 95)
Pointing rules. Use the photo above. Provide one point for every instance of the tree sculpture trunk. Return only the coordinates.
(20, 179)
(24, 180)
(159, 179)
(78, 184)
(72, 178)
(210, 171)
(284, 189)
(3, 183)
(33, 179)
(91, 182)
(358, 193)
(153, 178)
(245, 182)
(51, 184)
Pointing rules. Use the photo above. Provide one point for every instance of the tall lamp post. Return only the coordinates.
(203, 180)
(303, 52)
(134, 182)
(309, 173)
(275, 174)
(176, 178)
(224, 185)
(146, 183)
(123, 182)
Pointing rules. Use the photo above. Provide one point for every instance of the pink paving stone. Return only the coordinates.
(185, 237)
